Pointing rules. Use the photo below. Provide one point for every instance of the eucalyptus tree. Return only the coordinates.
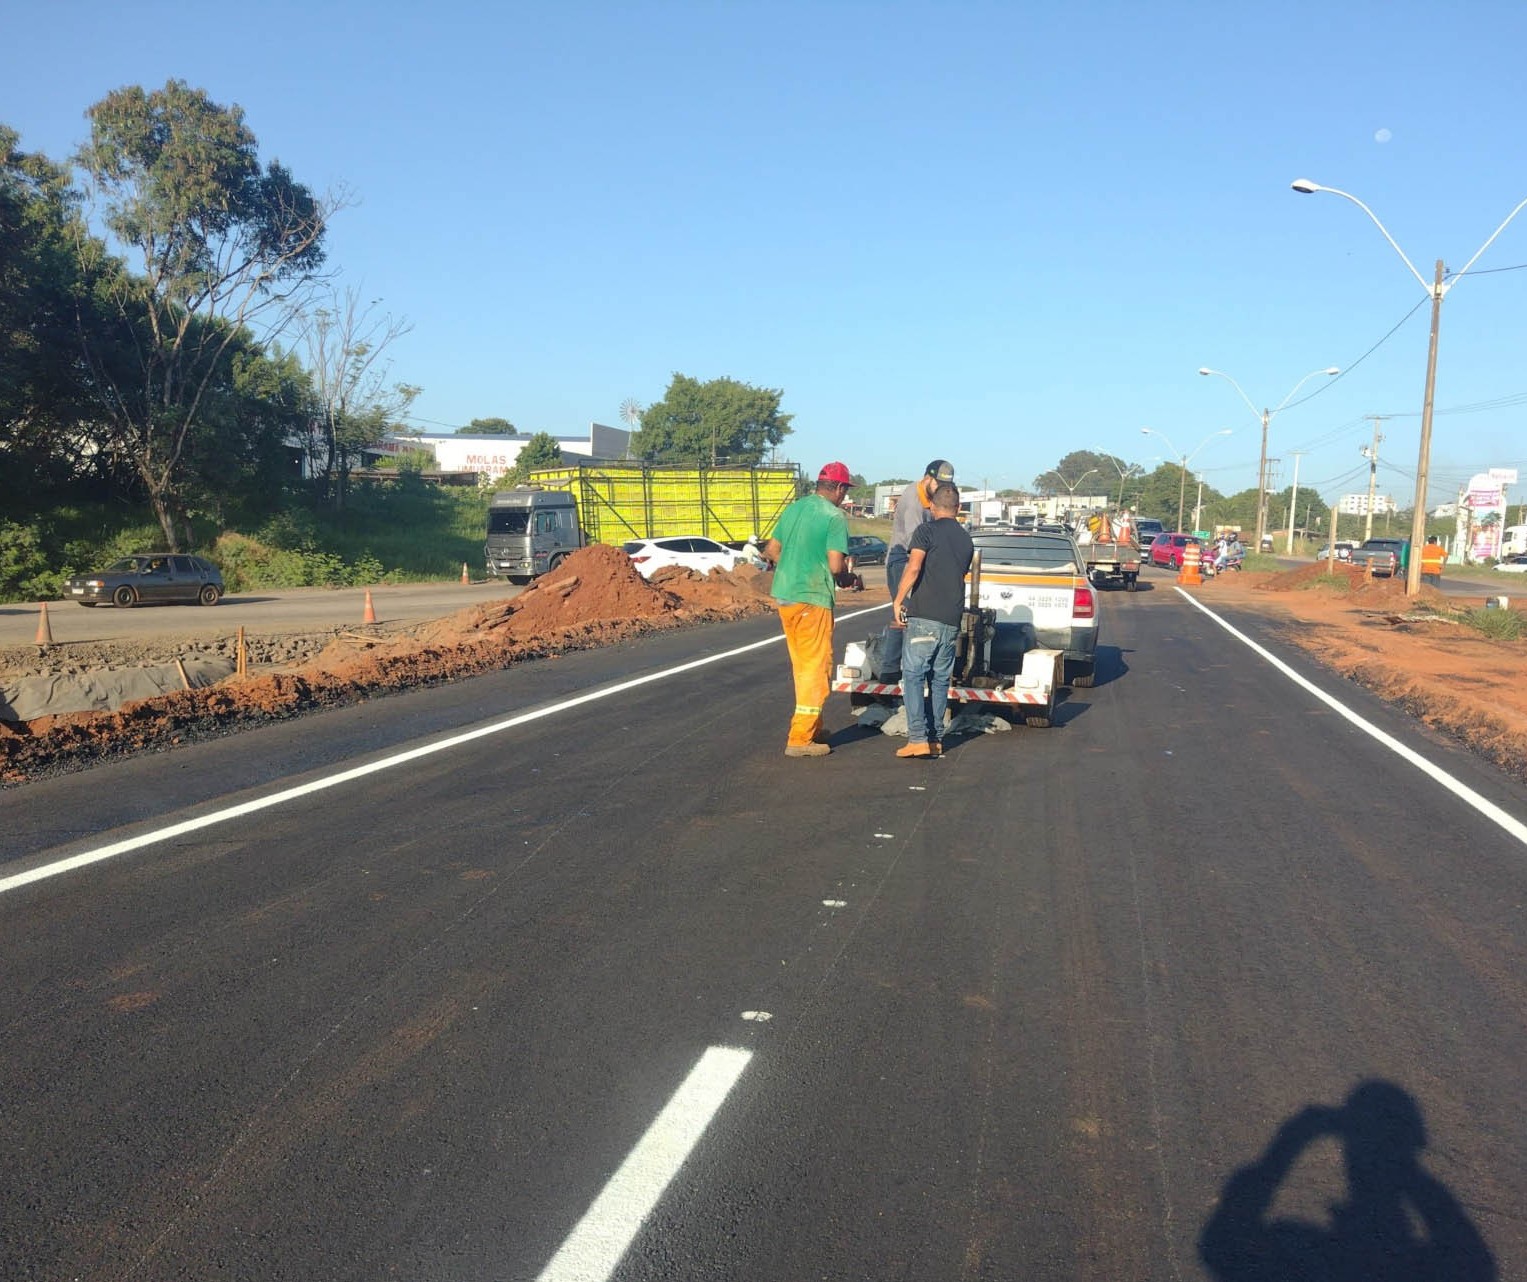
(217, 247)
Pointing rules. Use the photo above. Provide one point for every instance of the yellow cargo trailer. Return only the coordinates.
(620, 501)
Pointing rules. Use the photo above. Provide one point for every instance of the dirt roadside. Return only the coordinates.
(1460, 683)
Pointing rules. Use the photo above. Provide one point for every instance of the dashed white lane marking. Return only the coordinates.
(1458, 788)
(835, 903)
(886, 835)
(757, 1016)
(595, 1247)
(375, 767)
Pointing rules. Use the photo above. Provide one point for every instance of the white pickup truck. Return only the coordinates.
(1030, 627)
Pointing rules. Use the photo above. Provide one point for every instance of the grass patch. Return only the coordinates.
(1498, 625)
(1331, 584)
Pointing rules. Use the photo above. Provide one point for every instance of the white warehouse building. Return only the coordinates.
(492, 456)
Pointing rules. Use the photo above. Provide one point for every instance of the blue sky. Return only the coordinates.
(989, 232)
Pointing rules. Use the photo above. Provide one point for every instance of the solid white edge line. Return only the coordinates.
(123, 847)
(601, 1238)
(1460, 790)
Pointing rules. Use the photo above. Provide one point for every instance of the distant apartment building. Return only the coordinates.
(1357, 504)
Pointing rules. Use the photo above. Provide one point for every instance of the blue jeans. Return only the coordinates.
(891, 639)
(928, 656)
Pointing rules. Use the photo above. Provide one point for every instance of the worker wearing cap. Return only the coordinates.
(913, 508)
(809, 550)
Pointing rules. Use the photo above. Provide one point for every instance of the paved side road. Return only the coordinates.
(295, 610)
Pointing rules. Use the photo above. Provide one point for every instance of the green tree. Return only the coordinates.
(220, 244)
(541, 450)
(1071, 474)
(487, 427)
(47, 399)
(721, 421)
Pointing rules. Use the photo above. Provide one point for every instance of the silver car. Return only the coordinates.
(150, 578)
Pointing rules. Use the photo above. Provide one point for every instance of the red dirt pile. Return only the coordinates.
(594, 598)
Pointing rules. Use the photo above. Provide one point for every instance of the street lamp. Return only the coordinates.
(1183, 461)
(1124, 472)
(1436, 291)
(1266, 415)
(1071, 485)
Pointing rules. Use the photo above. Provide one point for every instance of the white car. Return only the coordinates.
(691, 551)
(1513, 564)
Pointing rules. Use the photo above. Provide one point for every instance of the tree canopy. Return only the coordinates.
(541, 450)
(487, 427)
(719, 422)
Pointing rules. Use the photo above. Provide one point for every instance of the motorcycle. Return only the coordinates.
(1230, 561)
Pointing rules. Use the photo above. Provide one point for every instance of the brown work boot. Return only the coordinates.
(807, 749)
(935, 750)
(915, 750)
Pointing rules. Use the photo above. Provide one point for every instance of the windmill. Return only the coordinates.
(631, 414)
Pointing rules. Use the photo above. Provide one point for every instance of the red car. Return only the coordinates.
(1167, 549)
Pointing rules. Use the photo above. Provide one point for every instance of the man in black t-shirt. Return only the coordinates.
(929, 601)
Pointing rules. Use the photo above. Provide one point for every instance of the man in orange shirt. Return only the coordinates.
(1433, 558)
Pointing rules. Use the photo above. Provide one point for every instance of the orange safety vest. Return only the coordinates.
(1433, 557)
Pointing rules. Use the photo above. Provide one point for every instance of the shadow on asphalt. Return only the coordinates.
(1396, 1222)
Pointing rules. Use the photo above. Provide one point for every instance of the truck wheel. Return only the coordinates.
(1038, 720)
(1129, 583)
(1083, 680)
(519, 580)
(555, 562)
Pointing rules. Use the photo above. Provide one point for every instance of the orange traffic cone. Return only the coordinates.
(464, 577)
(370, 615)
(44, 632)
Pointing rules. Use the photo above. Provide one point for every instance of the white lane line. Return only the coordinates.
(1459, 789)
(595, 1247)
(360, 772)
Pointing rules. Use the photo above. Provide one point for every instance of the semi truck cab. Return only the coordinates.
(530, 531)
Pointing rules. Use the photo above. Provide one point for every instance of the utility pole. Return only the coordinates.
(1372, 455)
(1293, 502)
(1262, 481)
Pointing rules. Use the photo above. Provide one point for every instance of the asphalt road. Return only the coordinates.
(293, 610)
(1200, 981)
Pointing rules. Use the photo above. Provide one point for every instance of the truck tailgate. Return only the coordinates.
(1046, 601)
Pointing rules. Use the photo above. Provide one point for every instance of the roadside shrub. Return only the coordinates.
(26, 571)
(250, 563)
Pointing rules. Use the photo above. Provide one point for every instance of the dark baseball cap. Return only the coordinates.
(940, 470)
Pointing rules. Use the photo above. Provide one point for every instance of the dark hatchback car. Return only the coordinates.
(866, 549)
(152, 578)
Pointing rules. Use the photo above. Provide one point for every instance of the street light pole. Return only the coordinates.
(1266, 415)
(1437, 289)
(1183, 461)
(1293, 503)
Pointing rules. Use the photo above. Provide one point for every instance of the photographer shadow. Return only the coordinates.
(1398, 1222)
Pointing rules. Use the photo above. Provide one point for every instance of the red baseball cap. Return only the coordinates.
(836, 473)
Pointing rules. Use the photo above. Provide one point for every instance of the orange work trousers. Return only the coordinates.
(808, 636)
